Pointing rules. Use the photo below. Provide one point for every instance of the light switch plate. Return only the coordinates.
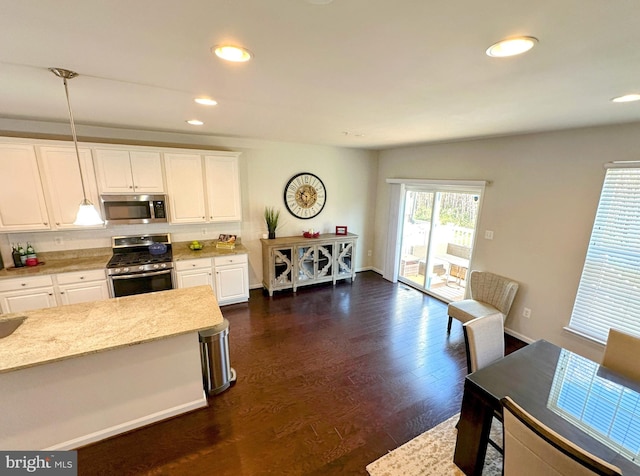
(488, 235)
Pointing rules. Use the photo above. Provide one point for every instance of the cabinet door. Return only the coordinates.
(114, 171)
(27, 300)
(85, 292)
(22, 204)
(61, 176)
(345, 256)
(146, 170)
(232, 284)
(196, 277)
(223, 188)
(185, 187)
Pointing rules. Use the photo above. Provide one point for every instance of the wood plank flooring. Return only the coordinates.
(329, 379)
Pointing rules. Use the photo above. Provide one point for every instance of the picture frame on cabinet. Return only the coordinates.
(341, 230)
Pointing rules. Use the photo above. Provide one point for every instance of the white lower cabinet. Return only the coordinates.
(232, 278)
(231, 283)
(39, 292)
(194, 272)
(82, 286)
(26, 294)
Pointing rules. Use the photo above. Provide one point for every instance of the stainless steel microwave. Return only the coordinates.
(134, 209)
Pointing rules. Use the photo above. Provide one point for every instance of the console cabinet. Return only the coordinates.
(294, 261)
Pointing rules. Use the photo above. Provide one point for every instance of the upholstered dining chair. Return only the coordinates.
(531, 448)
(484, 340)
(620, 353)
(490, 294)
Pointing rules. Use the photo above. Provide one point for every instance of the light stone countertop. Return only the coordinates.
(97, 258)
(64, 332)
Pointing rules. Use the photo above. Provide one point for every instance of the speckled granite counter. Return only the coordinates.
(59, 333)
(181, 250)
(62, 262)
(97, 258)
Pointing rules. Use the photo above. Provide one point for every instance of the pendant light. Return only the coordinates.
(87, 213)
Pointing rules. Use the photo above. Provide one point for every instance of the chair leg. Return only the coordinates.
(449, 325)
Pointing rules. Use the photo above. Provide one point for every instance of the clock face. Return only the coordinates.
(305, 195)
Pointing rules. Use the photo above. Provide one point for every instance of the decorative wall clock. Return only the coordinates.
(305, 195)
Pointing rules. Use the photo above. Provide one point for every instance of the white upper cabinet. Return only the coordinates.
(223, 187)
(196, 196)
(123, 171)
(185, 188)
(22, 203)
(61, 177)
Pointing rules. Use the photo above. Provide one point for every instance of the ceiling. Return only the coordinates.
(357, 73)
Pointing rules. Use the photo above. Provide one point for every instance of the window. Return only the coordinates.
(609, 291)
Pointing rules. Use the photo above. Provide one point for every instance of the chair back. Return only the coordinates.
(493, 289)
(484, 340)
(620, 354)
(532, 448)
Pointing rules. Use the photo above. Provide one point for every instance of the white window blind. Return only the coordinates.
(609, 291)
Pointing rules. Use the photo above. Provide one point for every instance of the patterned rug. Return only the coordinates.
(431, 454)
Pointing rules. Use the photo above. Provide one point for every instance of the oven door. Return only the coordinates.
(150, 282)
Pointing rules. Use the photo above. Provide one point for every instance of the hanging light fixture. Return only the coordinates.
(87, 213)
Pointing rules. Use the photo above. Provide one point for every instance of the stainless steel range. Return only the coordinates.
(140, 264)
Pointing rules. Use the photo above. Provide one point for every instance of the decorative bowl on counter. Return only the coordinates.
(157, 248)
(308, 234)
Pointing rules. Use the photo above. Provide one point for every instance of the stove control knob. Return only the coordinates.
(125, 270)
(141, 268)
(117, 270)
(163, 265)
(155, 266)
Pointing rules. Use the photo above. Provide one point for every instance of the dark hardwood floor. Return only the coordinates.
(329, 379)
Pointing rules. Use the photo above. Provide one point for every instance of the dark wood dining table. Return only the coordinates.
(591, 406)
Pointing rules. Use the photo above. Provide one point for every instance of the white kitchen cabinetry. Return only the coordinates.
(22, 202)
(61, 177)
(185, 187)
(123, 171)
(82, 286)
(232, 278)
(26, 294)
(223, 187)
(203, 188)
(194, 272)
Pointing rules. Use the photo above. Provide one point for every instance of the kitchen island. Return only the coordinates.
(72, 375)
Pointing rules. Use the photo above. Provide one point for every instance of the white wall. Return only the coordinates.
(349, 176)
(540, 203)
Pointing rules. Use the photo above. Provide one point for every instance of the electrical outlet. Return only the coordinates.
(58, 240)
(204, 231)
(488, 235)
(526, 312)
(369, 253)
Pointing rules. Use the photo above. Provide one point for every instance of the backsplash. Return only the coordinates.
(45, 241)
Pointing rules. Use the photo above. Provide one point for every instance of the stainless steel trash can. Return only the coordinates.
(217, 374)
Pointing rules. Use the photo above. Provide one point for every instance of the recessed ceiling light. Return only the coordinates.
(195, 122)
(627, 98)
(511, 46)
(236, 54)
(206, 101)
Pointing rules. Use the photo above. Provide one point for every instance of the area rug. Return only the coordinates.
(431, 454)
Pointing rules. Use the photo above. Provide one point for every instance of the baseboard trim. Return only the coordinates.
(517, 335)
(129, 425)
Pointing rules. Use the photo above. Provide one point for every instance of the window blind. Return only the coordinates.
(609, 290)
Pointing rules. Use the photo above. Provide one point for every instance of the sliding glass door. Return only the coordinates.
(438, 230)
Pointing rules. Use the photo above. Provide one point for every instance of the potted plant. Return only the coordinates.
(271, 217)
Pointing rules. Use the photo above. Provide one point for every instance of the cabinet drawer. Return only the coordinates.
(81, 276)
(193, 264)
(25, 283)
(230, 259)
